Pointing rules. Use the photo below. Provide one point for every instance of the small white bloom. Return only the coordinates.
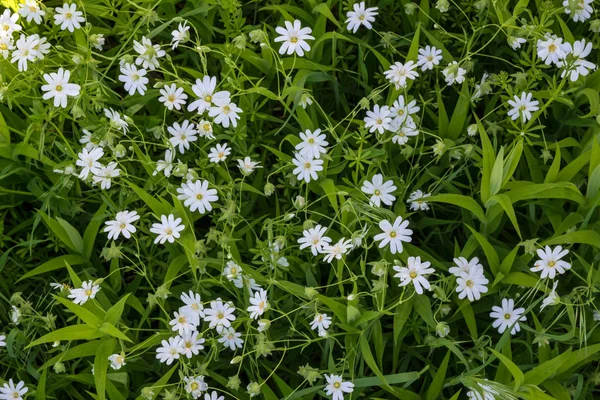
(466, 266)
(165, 165)
(205, 91)
(380, 191)
(550, 262)
(116, 361)
(183, 135)
(401, 111)
(379, 119)
(417, 200)
(135, 79)
(8, 23)
(103, 175)
(10, 391)
(59, 88)
(195, 385)
(205, 129)
(454, 74)
(97, 40)
(225, 112)
(507, 316)
(15, 315)
(213, 396)
(402, 132)
(294, 38)
(172, 97)
(414, 273)
(361, 16)
(321, 322)
(429, 57)
(180, 35)
(337, 250)
(170, 350)
(6, 46)
(552, 299)
(88, 161)
(122, 224)
(582, 9)
(233, 272)
(219, 315)
(399, 73)
(30, 10)
(148, 53)
(247, 166)
(230, 338)
(115, 120)
(181, 322)
(193, 306)
(68, 17)
(551, 50)
(516, 42)
(306, 167)
(2, 340)
(394, 234)
(523, 107)
(315, 239)
(87, 291)
(259, 304)
(197, 196)
(471, 284)
(168, 229)
(25, 52)
(191, 343)
(313, 144)
(581, 66)
(219, 153)
(336, 387)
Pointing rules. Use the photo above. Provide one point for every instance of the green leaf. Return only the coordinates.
(160, 383)
(459, 115)
(423, 307)
(435, 389)
(159, 207)
(490, 252)
(112, 330)
(101, 365)
(585, 237)
(497, 173)
(512, 367)
(85, 315)
(401, 316)
(89, 236)
(53, 264)
(70, 237)
(468, 203)
(504, 201)
(323, 9)
(365, 350)
(552, 174)
(328, 186)
(113, 315)
(488, 162)
(40, 391)
(546, 370)
(73, 332)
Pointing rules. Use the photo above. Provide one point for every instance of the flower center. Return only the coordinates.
(169, 231)
(3, 46)
(307, 165)
(261, 305)
(377, 192)
(171, 98)
(88, 292)
(188, 344)
(429, 58)
(413, 274)
(122, 225)
(195, 306)
(221, 154)
(199, 196)
(206, 127)
(470, 283)
(226, 110)
(337, 385)
(183, 137)
(173, 351)
(507, 316)
(208, 98)
(59, 88)
(311, 140)
(194, 386)
(68, 15)
(393, 234)
(233, 271)
(135, 77)
(294, 39)
(32, 8)
(552, 48)
(181, 320)
(220, 315)
(400, 112)
(401, 134)
(551, 264)
(379, 121)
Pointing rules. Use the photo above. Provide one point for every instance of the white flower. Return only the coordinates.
(134, 79)
(42, 47)
(88, 161)
(68, 17)
(233, 273)
(259, 304)
(224, 112)
(219, 315)
(6, 46)
(401, 111)
(417, 200)
(399, 73)
(182, 323)
(247, 166)
(25, 52)
(522, 107)
(582, 9)
(294, 38)
(172, 97)
(15, 315)
(59, 88)
(484, 392)
(148, 53)
(506, 316)
(2, 340)
(550, 262)
(471, 284)
(170, 351)
(313, 144)
(195, 385)
(315, 239)
(168, 229)
(581, 66)
(394, 234)
(306, 167)
(321, 322)
(11, 392)
(213, 396)
(305, 100)
(191, 343)
(336, 387)
(180, 35)
(337, 250)
(87, 291)
(219, 153)
(232, 339)
(414, 273)
(379, 190)
(193, 306)
(402, 132)
(429, 57)
(361, 16)
(379, 119)
(454, 74)
(464, 265)
(596, 316)
(165, 165)
(116, 361)
(481, 88)
(516, 42)
(197, 196)
(8, 23)
(30, 10)
(104, 175)
(551, 50)
(97, 40)
(122, 224)
(183, 135)
(552, 299)
(205, 129)
(115, 120)
(205, 90)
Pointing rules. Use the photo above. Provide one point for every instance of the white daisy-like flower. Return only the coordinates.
(515, 42)
(25, 52)
(87, 291)
(417, 200)
(361, 16)
(305, 100)
(104, 175)
(122, 224)
(581, 66)
(336, 387)
(247, 166)
(380, 191)
(182, 135)
(582, 9)
(399, 73)
(414, 273)
(58, 87)
(294, 38)
(117, 361)
(68, 17)
(219, 315)
(550, 262)
(321, 322)
(97, 40)
(315, 239)
(193, 306)
(306, 167)
(191, 343)
(15, 315)
(88, 161)
(10, 391)
(453, 73)
(552, 299)
(181, 322)
(205, 91)
(471, 284)
(205, 129)
(170, 350)
(464, 265)
(551, 50)
(219, 153)
(165, 165)
(404, 131)
(507, 316)
(168, 229)
(42, 47)
(337, 250)
(8, 23)
(401, 111)
(31, 11)
(259, 304)
(394, 234)
(115, 121)
(213, 396)
(180, 35)
(197, 196)
(380, 119)
(6, 46)
(233, 272)
(225, 112)
(313, 144)
(148, 53)
(429, 57)
(172, 97)
(135, 79)
(523, 107)
(232, 339)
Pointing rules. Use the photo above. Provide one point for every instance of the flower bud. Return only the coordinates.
(410, 8)
(253, 389)
(120, 151)
(442, 329)
(595, 26)
(310, 292)
(258, 36)
(148, 393)
(233, 382)
(442, 5)
(472, 130)
(236, 360)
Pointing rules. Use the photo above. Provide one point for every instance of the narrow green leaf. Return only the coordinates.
(435, 389)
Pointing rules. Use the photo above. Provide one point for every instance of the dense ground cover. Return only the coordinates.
(291, 200)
